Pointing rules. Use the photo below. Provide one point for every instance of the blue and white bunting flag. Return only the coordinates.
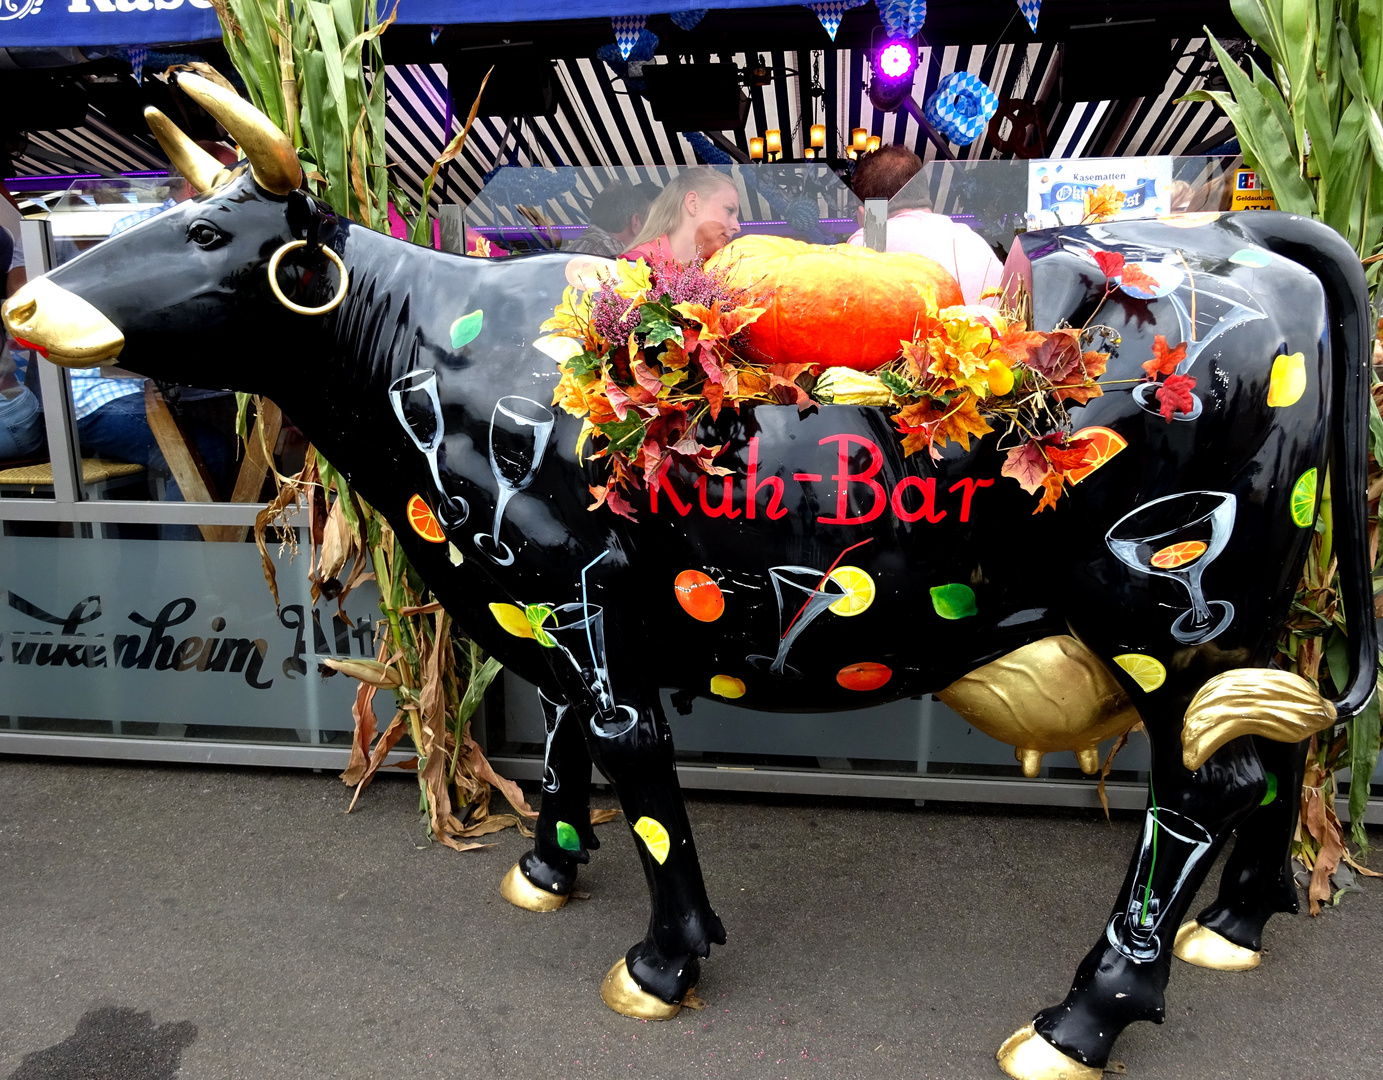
(831, 11)
(627, 29)
(1030, 9)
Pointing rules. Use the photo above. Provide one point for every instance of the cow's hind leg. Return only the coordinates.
(543, 878)
(1121, 980)
(633, 749)
(1257, 879)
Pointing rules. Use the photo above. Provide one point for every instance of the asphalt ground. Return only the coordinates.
(204, 924)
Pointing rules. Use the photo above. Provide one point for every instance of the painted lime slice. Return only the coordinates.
(955, 601)
(1147, 671)
(655, 838)
(537, 614)
(466, 329)
(1271, 793)
(567, 839)
(1304, 499)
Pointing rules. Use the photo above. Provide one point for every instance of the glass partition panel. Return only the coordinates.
(23, 439)
(176, 641)
(530, 209)
(996, 199)
(143, 440)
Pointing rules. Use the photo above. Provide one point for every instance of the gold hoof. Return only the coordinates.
(624, 995)
(1026, 1055)
(521, 892)
(1199, 945)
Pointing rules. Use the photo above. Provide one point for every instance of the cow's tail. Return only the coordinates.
(1326, 254)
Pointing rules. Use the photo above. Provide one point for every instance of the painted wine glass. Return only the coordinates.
(803, 593)
(419, 410)
(578, 630)
(1177, 537)
(519, 433)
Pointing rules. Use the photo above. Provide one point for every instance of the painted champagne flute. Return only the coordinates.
(519, 433)
(578, 630)
(1177, 843)
(419, 410)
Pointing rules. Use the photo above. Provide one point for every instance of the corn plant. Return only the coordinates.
(315, 68)
(1311, 127)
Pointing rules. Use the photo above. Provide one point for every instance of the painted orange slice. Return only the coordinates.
(699, 596)
(1174, 555)
(424, 524)
(866, 675)
(1107, 444)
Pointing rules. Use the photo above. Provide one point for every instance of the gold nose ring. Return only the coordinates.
(331, 304)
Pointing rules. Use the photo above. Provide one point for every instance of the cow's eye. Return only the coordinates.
(204, 235)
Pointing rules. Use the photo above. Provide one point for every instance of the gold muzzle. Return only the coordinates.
(61, 325)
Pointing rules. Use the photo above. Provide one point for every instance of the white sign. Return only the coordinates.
(1059, 191)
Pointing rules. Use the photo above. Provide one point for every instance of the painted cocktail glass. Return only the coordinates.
(803, 593)
(1177, 537)
(519, 433)
(416, 404)
(578, 630)
(1176, 843)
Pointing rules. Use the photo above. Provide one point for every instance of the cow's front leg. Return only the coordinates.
(543, 878)
(1122, 979)
(1257, 879)
(632, 747)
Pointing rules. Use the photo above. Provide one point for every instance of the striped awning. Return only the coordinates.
(596, 121)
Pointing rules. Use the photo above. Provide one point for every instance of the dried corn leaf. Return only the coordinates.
(600, 817)
(392, 734)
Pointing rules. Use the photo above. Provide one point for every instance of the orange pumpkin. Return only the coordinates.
(833, 306)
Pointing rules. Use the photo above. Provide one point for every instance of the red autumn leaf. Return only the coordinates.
(1175, 395)
(1017, 345)
(1066, 456)
(1134, 278)
(1111, 262)
(711, 366)
(1051, 491)
(714, 393)
(1058, 356)
(607, 495)
(619, 400)
(1165, 360)
(647, 378)
(1026, 464)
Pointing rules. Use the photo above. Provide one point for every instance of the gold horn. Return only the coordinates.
(273, 160)
(199, 168)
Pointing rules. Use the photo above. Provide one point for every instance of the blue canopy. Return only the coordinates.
(149, 22)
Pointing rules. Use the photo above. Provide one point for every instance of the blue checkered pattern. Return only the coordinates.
(902, 18)
(138, 56)
(1030, 9)
(91, 390)
(961, 107)
(627, 29)
(831, 11)
(687, 20)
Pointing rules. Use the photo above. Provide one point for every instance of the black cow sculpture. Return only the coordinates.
(1046, 630)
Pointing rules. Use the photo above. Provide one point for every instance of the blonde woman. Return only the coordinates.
(693, 217)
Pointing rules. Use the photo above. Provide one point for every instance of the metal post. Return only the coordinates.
(876, 224)
(58, 416)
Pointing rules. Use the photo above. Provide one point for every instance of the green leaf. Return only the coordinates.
(582, 364)
(242, 415)
(1254, 16)
(625, 435)
(656, 328)
(1349, 68)
(1337, 659)
(466, 329)
(955, 601)
(897, 385)
(1363, 758)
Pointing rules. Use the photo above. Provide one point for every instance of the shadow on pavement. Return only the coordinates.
(115, 1044)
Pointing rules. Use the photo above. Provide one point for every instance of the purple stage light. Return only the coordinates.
(897, 60)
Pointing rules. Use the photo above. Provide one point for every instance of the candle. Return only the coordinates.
(859, 138)
(809, 153)
(773, 141)
(756, 149)
(819, 136)
(874, 143)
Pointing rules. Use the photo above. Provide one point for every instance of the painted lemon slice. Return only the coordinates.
(1304, 499)
(424, 524)
(727, 686)
(1107, 443)
(1174, 555)
(699, 596)
(858, 587)
(655, 838)
(866, 675)
(512, 619)
(1287, 382)
(1146, 671)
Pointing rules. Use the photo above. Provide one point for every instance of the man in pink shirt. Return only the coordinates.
(913, 227)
